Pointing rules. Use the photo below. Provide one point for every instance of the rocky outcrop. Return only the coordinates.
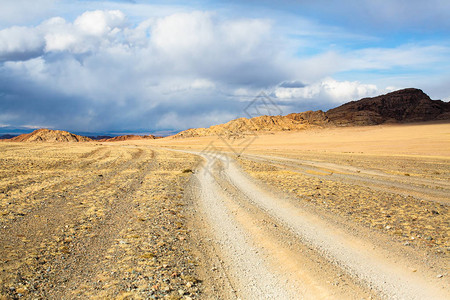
(318, 118)
(243, 126)
(48, 135)
(408, 105)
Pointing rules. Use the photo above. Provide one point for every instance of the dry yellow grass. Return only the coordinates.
(85, 220)
(412, 221)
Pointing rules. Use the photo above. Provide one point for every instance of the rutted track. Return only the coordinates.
(110, 226)
(421, 188)
(298, 257)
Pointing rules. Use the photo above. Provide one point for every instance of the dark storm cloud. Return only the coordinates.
(24, 102)
(98, 73)
(292, 84)
(20, 56)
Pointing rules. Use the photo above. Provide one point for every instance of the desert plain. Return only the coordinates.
(334, 213)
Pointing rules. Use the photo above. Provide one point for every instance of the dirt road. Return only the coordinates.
(263, 245)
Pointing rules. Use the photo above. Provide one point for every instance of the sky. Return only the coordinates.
(135, 66)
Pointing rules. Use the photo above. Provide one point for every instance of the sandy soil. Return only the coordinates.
(410, 140)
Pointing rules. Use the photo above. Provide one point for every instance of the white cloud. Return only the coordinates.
(100, 22)
(18, 43)
(328, 90)
(183, 34)
(199, 44)
(89, 31)
(58, 34)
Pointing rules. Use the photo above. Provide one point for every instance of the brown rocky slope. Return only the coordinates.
(408, 105)
(402, 106)
(48, 135)
(295, 121)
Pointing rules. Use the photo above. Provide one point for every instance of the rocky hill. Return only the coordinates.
(129, 137)
(242, 126)
(408, 105)
(48, 135)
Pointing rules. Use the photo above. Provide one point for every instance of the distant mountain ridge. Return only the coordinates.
(7, 136)
(99, 137)
(402, 106)
(129, 137)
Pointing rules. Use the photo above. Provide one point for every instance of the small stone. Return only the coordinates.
(181, 292)
(388, 227)
(440, 276)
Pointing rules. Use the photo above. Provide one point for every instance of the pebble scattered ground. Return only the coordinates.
(417, 223)
(95, 221)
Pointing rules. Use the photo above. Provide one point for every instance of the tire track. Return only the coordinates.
(381, 269)
(421, 188)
